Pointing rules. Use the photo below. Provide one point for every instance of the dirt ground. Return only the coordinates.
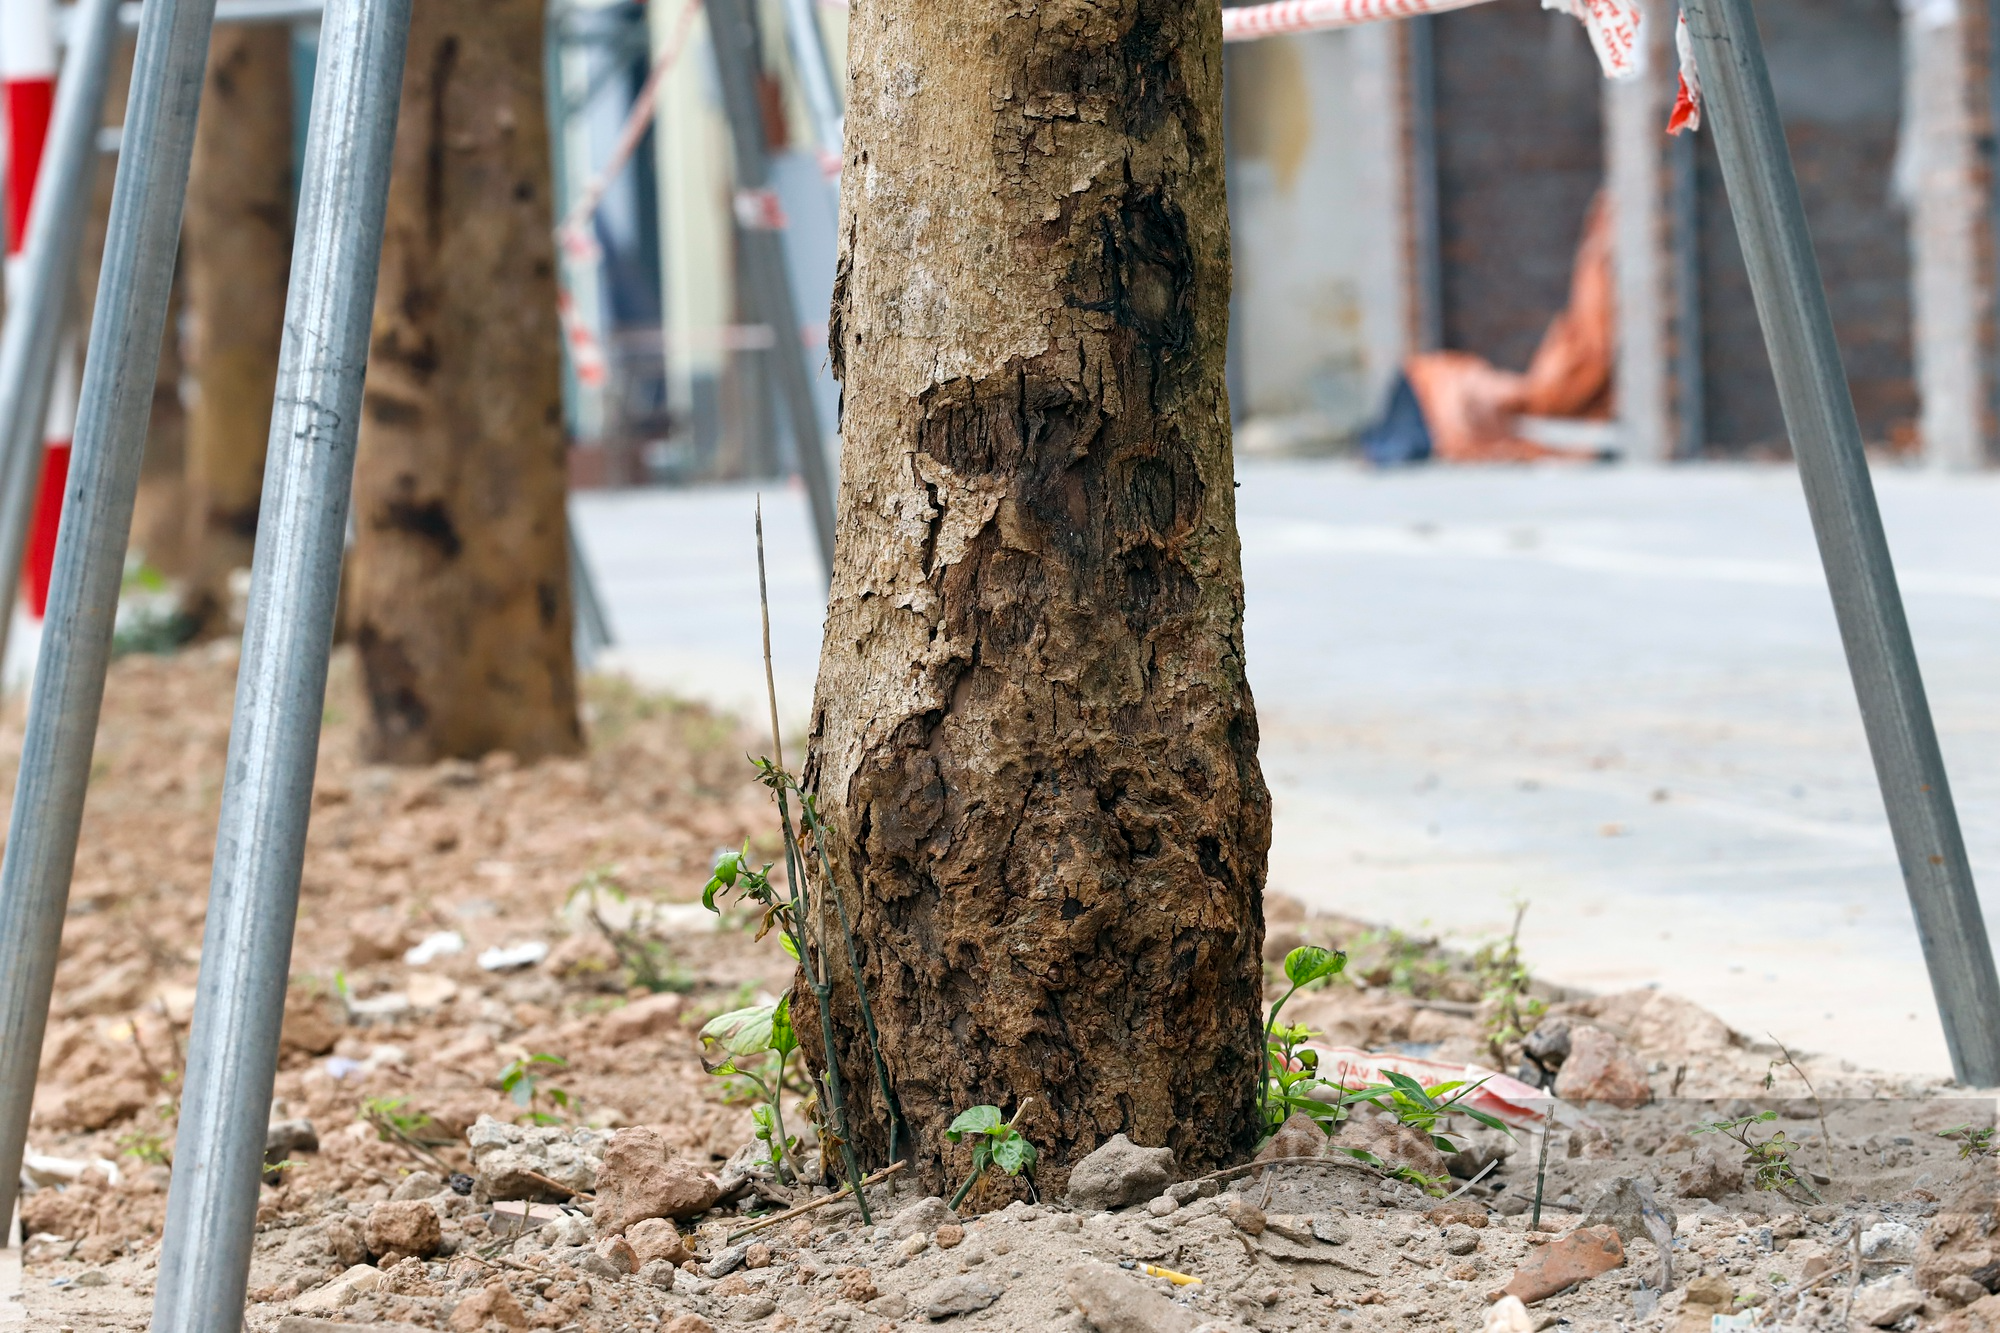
(493, 854)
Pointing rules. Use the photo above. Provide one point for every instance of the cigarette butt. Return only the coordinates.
(1178, 1279)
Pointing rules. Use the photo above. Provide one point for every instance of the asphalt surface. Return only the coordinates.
(1616, 694)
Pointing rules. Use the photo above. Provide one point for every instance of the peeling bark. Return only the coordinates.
(1032, 731)
(458, 583)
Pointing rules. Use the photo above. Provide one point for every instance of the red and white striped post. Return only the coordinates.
(28, 80)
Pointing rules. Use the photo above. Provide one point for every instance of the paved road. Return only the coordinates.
(1617, 694)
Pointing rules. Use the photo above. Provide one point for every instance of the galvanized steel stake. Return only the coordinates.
(759, 231)
(1819, 414)
(281, 684)
(36, 319)
(117, 403)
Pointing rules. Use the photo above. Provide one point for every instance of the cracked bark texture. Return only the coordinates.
(1032, 733)
(457, 587)
(236, 258)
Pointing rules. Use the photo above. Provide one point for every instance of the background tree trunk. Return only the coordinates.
(1032, 730)
(459, 590)
(236, 256)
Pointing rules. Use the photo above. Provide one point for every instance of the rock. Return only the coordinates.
(925, 1215)
(406, 1227)
(749, 1309)
(1327, 1231)
(961, 1293)
(1299, 1136)
(640, 1019)
(1508, 1315)
(1622, 1202)
(1956, 1290)
(726, 1262)
(491, 1304)
(508, 1158)
(1889, 1243)
(687, 1323)
(657, 1273)
(756, 1255)
(891, 1306)
(595, 1264)
(1460, 1240)
(640, 1177)
(1559, 1265)
(1395, 1143)
(1600, 1068)
(657, 1238)
(1114, 1301)
(418, 1185)
(1961, 1241)
(286, 1137)
(618, 1252)
(1548, 1044)
(857, 1285)
(327, 1298)
(948, 1235)
(1711, 1291)
(1982, 1316)
(1120, 1173)
(344, 1241)
(1247, 1216)
(1712, 1175)
(1164, 1206)
(1292, 1228)
(1459, 1212)
(1889, 1301)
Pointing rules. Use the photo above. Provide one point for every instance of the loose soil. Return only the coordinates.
(494, 852)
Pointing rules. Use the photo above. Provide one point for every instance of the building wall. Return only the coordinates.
(1836, 67)
(1315, 212)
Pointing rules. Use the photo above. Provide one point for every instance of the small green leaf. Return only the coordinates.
(1309, 963)
(1013, 1154)
(790, 946)
(979, 1120)
(783, 1040)
(740, 1033)
(523, 1092)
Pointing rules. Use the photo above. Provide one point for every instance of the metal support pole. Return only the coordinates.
(590, 626)
(758, 235)
(117, 402)
(815, 73)
(1819, 414)
(260, 841)
(36, 318)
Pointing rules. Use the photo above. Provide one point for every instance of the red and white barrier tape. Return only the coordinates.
(1687, 96)
(1616, 27)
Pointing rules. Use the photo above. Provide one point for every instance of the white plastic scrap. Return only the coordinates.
(513, 956)
(436, 945)
(41, 1170)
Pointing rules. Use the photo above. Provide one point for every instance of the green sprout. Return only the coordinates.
(520, 1081)
(1290, 1072)
(995, 1142)
(1768, 1161)
(1971, 1142)
(755, 1044)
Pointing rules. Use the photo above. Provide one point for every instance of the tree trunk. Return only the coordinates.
(236, 256)
(1032, 731)
(459, 581)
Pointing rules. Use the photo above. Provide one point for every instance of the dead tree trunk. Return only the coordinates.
(236, 256)
(458, 583)
(1032, 731)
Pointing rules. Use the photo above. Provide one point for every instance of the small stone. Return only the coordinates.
(1460, 1240)
(959, 1294)
(749, 1309)
(733, 1285)
(1958, 1290)
(91, 1277)
(1459, 1212)
(1119, 1173)
(1508, 1315)
(1397, 1144)
(597, 1265)
(1299, 1229)
(913, 1246)
(1624, 1202)
(891, 1306)
(618, 1252)
(1328, 1231)
(856, 1285)
(1982, 1316)
(1712, 1291)
(417, 1185)
(641, 1177)
(1889, 1242)
(404, 1227)
(1114, 1301)
(1599, 1068)
(923, 1215)
(948, 1236)
(1068, 1222)
(757, 1255)
(1247, 1216)
(687, 1323)
(493, 1304)
(285, 1137)
(1559, 1265)
(657, 1273)
(657, 1238)
(640, 1019)
(726, 1262)
(1887, 1302)
(1299, 1136)
(1163, 1206)
(1710, 1176)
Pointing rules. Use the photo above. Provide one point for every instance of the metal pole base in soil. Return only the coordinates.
(116, 404)
(1819, 413)
(281, 685)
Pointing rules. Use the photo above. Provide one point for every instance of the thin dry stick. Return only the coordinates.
(1853, 1273)
(764, 604)
(821, 1202)
(1825, 1140)
(1232, 1172)
(1484, 1172)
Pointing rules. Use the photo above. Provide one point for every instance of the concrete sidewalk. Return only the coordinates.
(1616, 694)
